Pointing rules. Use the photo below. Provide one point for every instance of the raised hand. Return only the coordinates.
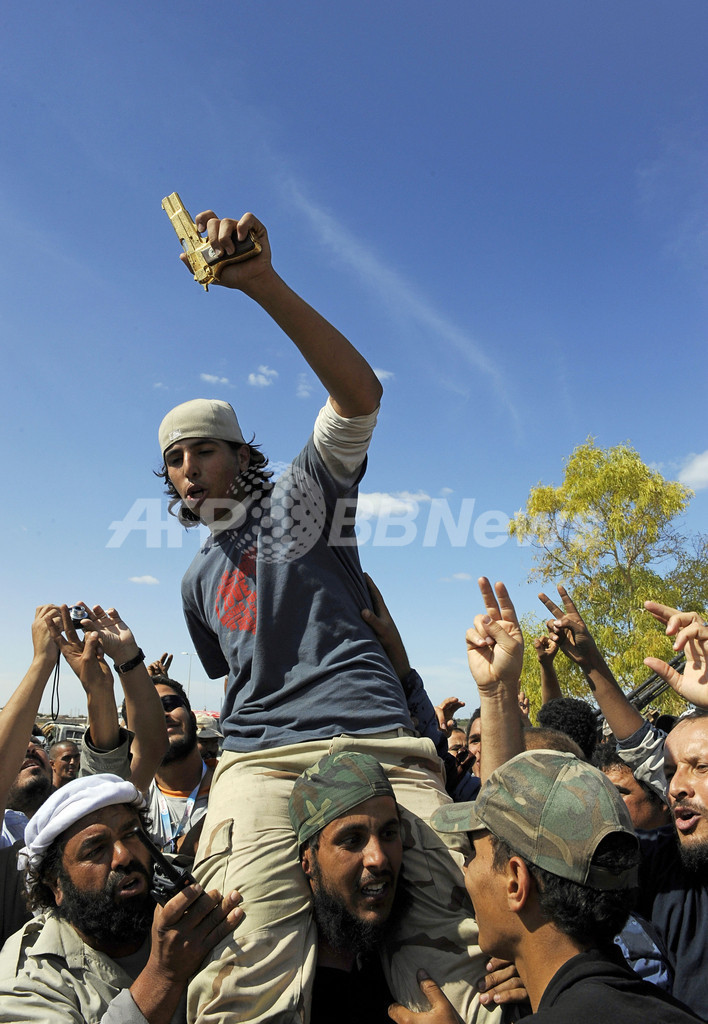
(116, 638)
(160, 667)
(445, 713)
(546, 648)
(568, 629)
(44, 642)
(219, 231)
(691, 637)
(84, 655)
(576, 642)
(495, 645)
(673, 619)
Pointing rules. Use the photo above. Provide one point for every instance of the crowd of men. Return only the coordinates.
(336, 846)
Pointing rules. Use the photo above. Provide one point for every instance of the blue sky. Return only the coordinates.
(502, 204)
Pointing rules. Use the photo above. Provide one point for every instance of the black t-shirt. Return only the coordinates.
(598, 986)
(360, 996)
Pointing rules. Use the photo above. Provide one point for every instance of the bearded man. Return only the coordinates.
(101, 949)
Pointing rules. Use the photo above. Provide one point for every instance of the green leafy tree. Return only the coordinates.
(609, 533)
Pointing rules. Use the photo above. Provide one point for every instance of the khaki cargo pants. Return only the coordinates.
(265, 971)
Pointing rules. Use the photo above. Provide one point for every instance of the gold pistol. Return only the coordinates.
(204, 262)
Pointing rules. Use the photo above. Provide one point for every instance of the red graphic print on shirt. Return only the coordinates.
(236, 596)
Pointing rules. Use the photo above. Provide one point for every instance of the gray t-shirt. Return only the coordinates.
(276, 603)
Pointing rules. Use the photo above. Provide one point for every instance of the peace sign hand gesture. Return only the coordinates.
(495, 644)
(569, 629)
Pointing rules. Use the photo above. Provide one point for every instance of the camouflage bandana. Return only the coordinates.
(551, 809)
(333, 786)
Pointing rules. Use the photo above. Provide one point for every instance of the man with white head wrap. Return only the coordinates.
(102, 950)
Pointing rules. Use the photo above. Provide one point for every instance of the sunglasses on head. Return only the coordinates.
(170, 702)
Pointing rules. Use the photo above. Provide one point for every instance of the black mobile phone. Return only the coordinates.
(168, 878)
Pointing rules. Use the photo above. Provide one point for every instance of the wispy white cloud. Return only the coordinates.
(397, 292)
(304, 386)
(263, 378)
(150, 580)
(695, 472)
(158, 385)
(398, 503)
(384, 375)
(445, 492)
(456, 577)
(673, 193)
(211, 378)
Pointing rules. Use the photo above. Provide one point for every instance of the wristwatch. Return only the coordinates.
(127, 666)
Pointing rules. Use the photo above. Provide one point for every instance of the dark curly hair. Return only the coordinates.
(575, 718)
(253, 477)
(588, 916)
(39, 894)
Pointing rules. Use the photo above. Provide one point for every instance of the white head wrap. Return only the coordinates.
(66, 806)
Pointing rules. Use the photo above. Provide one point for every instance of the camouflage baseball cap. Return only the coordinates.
(333, 786)
(551, 809)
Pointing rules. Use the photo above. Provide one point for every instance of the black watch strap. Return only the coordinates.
(127, 666)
